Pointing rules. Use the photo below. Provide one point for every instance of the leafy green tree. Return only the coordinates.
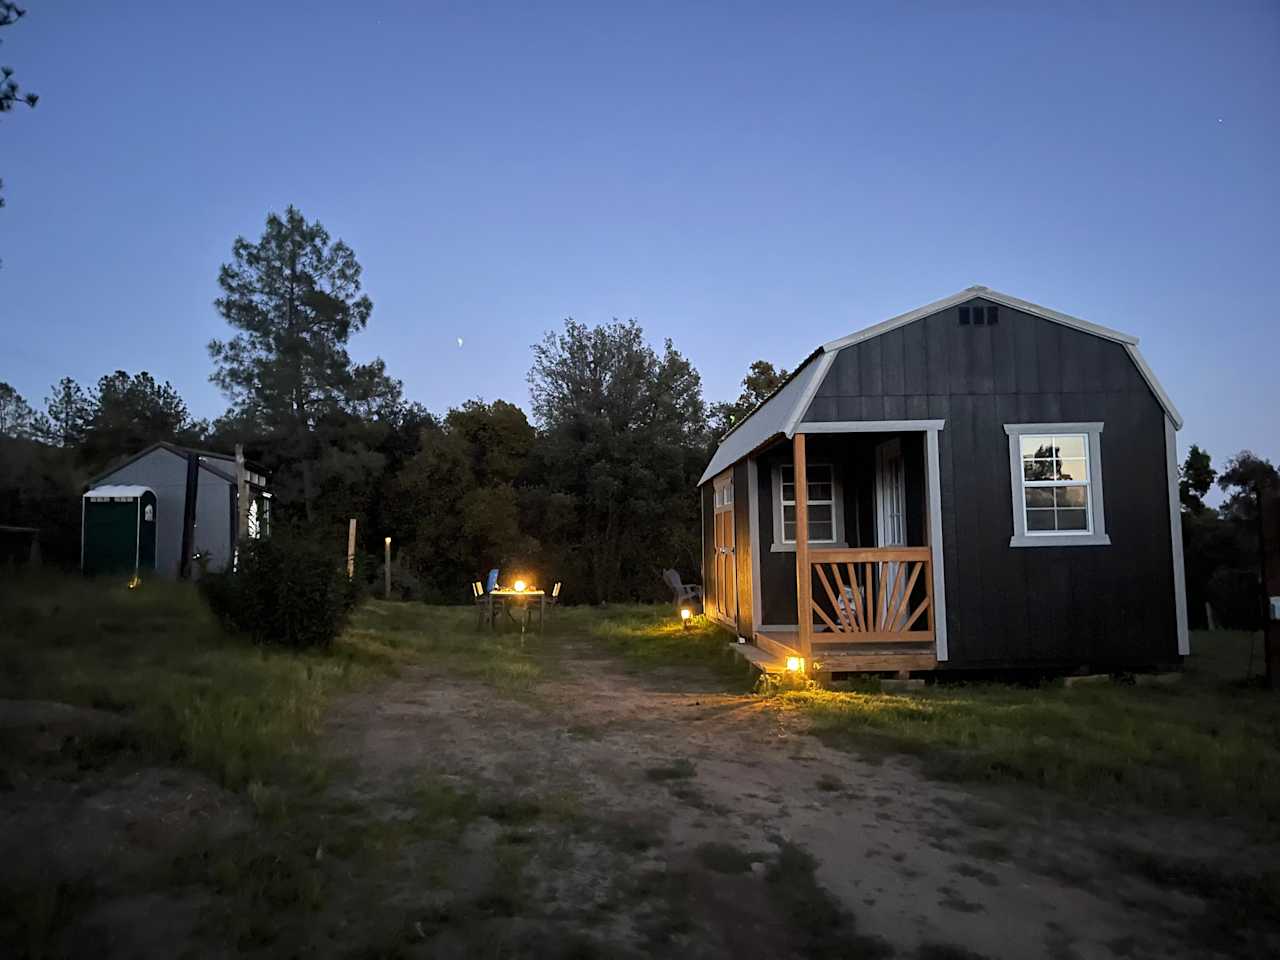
(624, 433)
(130, 412)
(761, 381)
(11, 94)
(17, 419)
(458, 503)
(295, 299)
(68, 411)
(1245, 476)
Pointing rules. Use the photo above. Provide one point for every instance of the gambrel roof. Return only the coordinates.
(781, 411)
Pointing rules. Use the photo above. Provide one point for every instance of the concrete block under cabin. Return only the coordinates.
(194, 503)
(929, 494)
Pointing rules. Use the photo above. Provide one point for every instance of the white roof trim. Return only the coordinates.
(112, 491)
(781, 413)
(986, 293)
(1149, 375)
(776, 416)
(811, 388)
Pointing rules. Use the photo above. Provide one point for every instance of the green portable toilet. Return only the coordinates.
(118, 530)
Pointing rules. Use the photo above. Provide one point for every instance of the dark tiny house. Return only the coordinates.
(939, 479)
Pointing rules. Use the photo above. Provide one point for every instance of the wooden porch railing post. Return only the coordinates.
(804, 576)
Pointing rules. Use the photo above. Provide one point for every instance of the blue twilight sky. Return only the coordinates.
(747, 179)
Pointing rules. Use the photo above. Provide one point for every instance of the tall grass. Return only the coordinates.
(195, 693)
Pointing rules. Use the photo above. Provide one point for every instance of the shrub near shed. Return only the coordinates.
(286, 590)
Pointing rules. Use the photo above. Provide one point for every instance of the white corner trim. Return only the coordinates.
(1149, 375)
(753, 524)
(868, 426)
(1096, 536)
(810, 391)
(1175, 537)
(933, 479)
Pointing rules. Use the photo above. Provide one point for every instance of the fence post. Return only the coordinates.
(242, 496)
(1269, 524)
(351, 549)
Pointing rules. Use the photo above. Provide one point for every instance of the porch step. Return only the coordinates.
(758, 658)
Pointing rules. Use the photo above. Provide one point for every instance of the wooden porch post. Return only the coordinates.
(804, 576)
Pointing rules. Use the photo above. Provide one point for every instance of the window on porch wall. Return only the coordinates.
(823, 494)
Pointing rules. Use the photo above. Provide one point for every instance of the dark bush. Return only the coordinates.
(286, 590)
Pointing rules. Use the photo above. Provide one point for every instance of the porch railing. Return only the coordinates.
(873, 595)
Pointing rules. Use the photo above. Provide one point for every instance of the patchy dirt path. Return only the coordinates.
(675, 820)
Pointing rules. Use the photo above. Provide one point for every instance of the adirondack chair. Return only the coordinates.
(682, 592)
(482, 605)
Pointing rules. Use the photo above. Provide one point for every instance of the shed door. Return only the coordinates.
(725, 581)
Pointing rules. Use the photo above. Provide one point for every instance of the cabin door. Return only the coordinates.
(891, 509)
(724, 599)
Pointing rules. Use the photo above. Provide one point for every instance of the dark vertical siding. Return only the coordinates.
(1033, 604)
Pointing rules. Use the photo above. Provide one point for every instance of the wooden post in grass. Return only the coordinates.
(1269, 524)
(386, 564)
(804, 576)
(242, 496)
(351, 549)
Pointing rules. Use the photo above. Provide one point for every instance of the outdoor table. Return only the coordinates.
(521, 597)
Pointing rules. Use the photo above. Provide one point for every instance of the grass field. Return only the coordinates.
(256, 721)
(1207, 744)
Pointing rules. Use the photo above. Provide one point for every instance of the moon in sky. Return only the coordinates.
(459, 342)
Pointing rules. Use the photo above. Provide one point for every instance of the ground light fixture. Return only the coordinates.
(795, 664)
(686, 617)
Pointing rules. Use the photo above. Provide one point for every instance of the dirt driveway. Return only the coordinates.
(600, 810)
(618, 812)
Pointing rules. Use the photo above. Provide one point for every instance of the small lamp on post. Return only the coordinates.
(686, 617)
(386, 565)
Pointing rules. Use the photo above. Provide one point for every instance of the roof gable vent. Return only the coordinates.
(979, 314)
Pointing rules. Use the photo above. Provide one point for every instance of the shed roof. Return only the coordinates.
(219, 464)
(780, 412)
(117, 491)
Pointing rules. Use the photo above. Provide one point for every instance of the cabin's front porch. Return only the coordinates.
(871, 608)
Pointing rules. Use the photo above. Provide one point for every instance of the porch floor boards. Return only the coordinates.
(836, 657)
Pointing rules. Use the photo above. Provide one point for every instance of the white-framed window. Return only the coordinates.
(1055, 472)
(826, 511)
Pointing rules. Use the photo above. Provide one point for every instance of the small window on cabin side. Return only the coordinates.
(964, 316)
(824, 514)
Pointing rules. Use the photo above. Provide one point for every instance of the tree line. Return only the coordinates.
(596, 490)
